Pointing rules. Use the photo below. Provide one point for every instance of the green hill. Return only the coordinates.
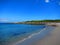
(37, 22)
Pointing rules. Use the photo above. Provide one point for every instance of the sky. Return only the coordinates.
(24, 10)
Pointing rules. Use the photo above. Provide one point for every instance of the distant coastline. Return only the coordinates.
(36, 22)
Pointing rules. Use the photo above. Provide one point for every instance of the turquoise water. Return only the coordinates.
(14, 30)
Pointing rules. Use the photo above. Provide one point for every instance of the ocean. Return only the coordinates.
(14, 32)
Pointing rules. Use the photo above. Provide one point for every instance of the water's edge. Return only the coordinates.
(27, 40)
(12, 40)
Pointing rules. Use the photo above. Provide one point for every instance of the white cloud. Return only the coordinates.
(3, 20)
(47, 1)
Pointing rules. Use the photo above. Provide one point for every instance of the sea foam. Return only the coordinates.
(30, 36)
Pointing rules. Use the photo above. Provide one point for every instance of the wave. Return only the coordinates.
(30, 36)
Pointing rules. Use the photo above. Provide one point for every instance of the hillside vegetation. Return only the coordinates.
(39, 22)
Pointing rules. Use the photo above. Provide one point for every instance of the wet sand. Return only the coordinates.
(35, 40)
(52, 39)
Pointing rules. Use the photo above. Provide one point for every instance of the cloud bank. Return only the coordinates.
(3, 20)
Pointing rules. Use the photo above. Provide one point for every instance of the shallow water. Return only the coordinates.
(31, 40)
(8, 31)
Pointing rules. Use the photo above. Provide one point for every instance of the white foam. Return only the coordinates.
(30, 36)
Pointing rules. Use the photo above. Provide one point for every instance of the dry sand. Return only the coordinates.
(52, 39)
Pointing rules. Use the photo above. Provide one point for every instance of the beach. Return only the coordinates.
(29, 22)
(34, 38)
(52, 39)
(50, 35)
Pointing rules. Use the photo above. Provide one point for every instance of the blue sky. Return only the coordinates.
(23, 10)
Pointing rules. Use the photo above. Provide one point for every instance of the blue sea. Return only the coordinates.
(8, 31)
(13, 32)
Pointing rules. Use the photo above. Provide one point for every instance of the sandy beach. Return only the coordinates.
(48, 36)
(52, 39)
(35, 39)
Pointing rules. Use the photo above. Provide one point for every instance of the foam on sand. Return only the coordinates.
(34, 34)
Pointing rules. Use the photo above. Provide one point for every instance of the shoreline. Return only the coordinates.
(32, 36)
(52, 39)
(14, 40)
